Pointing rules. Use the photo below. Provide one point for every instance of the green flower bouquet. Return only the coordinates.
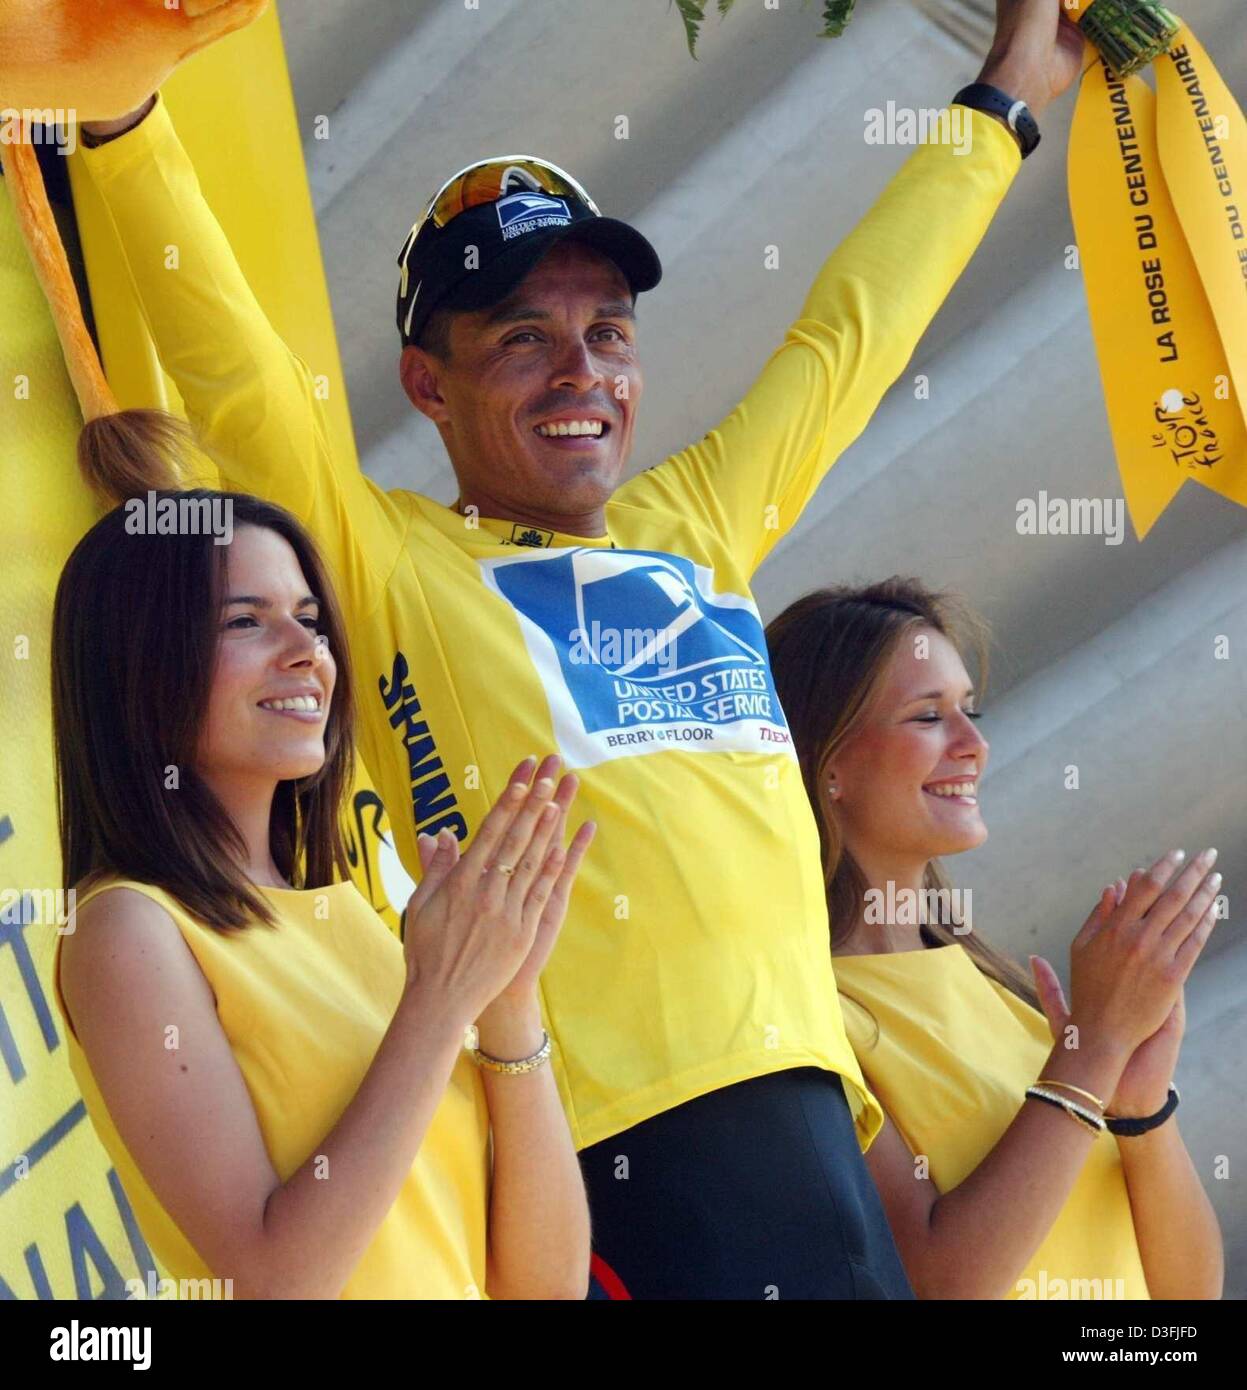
(1129, 33)
(836, 14)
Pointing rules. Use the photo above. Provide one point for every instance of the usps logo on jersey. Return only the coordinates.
(637, 652)
(528, 212)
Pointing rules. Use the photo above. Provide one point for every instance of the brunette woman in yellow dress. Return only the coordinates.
(282, 1085)
(1029, 1148)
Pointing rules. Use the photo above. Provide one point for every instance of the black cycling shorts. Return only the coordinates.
(757, 1190)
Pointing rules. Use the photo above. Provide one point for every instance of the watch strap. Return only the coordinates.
(982, 96)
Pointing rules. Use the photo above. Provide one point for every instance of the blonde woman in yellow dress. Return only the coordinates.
(1029, 1148)
(281, 1084)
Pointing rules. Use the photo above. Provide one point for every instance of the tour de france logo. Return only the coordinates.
(1185, 432)
(637, 653)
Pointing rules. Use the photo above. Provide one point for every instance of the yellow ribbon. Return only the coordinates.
(1158, 192)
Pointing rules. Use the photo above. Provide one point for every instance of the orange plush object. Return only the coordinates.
(100, 59)
(89, 60)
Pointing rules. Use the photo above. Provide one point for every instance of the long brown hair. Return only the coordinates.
(829, 653)
(135, 631)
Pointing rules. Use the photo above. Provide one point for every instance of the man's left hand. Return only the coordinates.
(1036, 54)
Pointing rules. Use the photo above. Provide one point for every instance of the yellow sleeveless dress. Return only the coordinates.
(950, 1060)
(304, 1008)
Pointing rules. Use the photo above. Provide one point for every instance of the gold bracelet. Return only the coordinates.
(1080, 1114)
(1077, 1090)
(525, 1064)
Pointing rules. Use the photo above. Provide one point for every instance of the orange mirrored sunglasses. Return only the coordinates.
(487, 181)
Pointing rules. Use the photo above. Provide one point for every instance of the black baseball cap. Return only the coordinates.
(487, 227)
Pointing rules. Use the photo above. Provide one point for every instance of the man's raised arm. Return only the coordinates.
(750, 478)
(251, 401)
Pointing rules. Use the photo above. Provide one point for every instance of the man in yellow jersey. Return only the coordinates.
(699, 1047)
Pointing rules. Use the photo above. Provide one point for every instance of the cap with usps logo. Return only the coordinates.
(486, 228)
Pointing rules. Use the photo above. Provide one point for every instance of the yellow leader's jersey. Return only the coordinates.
(695, 953)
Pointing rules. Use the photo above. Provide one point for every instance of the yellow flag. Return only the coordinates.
(1160, 353)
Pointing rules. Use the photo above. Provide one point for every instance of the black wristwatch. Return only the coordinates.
(984, 97)
(1147, 1123)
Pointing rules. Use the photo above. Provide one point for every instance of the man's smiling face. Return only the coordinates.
(537, 398)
